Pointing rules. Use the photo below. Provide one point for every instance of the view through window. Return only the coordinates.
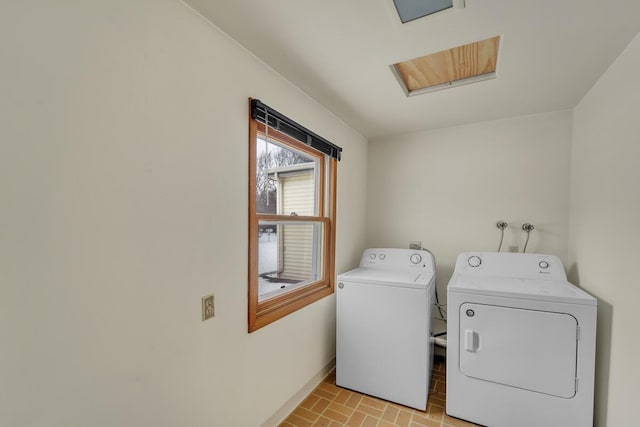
(291, 224)
(286, 184)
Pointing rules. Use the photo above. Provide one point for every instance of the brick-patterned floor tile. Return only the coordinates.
(306, 414)
(435, 412)
(342, 397)
(438, 398)
(354, 400)
(332, 406)
(390, 414)
(424, 421)
(356, 419)
(438, 375)
(330, 378)
(369, 410)
(324, 393)
(336, 416)
(374, 403)
(370, 421)
(298, 422)
(404, 418)
(322, 422)
(329, 388)
(320, 405)
(341, 409)
(309, 401)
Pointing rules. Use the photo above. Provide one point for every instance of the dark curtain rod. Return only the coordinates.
(295, 130)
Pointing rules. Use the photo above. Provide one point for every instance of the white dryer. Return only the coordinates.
(383, 328)
(521, 343)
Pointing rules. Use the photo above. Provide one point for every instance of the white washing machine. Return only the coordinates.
(521, 343)
(383, 328)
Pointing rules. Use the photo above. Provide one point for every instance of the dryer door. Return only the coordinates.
(528, 349)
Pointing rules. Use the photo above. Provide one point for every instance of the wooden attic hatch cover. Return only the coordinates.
(460, 65)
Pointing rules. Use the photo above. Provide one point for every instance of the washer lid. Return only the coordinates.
(376, 276)
(542, 290)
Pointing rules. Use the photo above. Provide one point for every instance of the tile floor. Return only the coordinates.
(332, 406)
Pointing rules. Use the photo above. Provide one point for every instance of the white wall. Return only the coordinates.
(449, 187)
(604, 238)
(123, 191)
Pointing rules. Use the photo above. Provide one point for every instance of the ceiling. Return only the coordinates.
(339, 52)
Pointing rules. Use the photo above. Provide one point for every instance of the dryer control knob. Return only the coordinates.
(474, 261)
(372, 256)
(415, 258)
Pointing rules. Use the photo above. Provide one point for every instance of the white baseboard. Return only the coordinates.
(297, 398)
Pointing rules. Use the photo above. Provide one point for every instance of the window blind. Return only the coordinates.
(278, 121)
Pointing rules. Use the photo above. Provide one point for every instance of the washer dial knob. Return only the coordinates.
(372, 256)
(474, 261)
(543, 264)
(382, 256)
(415, 258)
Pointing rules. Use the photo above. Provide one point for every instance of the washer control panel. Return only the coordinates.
(507, 264)
(474, 261)
(393, 258)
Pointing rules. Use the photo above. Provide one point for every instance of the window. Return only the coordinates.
(292, 203)
(409, 10)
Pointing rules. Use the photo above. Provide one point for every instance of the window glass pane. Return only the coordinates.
(414, 9)
(289, 256)
(286, 180)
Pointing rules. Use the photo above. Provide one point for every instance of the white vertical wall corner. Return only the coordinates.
(603, 243)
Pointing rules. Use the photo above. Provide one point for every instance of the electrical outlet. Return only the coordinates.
(207, 307)
(513, 248)
(417, 245)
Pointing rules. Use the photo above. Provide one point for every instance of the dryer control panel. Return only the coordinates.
(513, 265)
(394, 259)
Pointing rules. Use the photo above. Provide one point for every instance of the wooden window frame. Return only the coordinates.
(262, 313)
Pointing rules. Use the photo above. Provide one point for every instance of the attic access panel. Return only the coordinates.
(408, 10)
(460, 65)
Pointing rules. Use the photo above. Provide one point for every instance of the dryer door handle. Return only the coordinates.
(471, 340)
